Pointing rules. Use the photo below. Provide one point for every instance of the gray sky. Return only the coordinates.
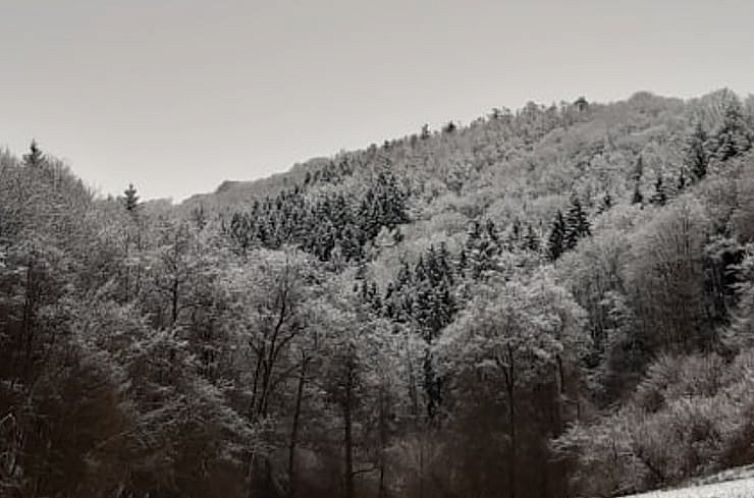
(177, 96)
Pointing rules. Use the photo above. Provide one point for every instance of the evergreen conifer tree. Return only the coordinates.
(581, 104)
(463, 262)
(697, 156)
(531, 240)
(482, 248)
(637, 197)
(577, 224)
(734, 136)
(556, 241)
(131, 199)
(682, 181)
(638, 169)
(659, 198)
(35, 157)
(450, 127)
(515, 235)
(605, 204)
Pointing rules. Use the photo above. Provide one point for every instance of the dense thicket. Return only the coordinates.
(547, 303)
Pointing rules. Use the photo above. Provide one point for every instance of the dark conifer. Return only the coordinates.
(734, 136)
(660, 197)
(463, 262)
(605, 204)
(131, 199)
(531, 240)
(581, 104)
(697, 156)
(556, 241)
(682, 181)
(637, 197)
(35, 157)
(577, 224)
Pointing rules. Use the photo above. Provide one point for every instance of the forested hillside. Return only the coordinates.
(551, 302)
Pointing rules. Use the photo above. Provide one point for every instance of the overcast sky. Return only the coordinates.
(177, 96)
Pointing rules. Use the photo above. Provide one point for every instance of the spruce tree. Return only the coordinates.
(577, 224)
(199, 216)
(444, 261)
(605, 204)
(492, 231)
(384, 204)
(659, 198)
(433, 309)
(241, 231)
(450, 127)
(734, 136)
(697, 156)
(531, 240)
(482, 248)
(35, 157)
(463, 262)
(348, 240)
(556, 241)
(515, 235)
(389, 307)
(131, 199)
(470, 254)
(375, 297)
(638, 169)
(682, 181)
(637, 197)
(474, 233)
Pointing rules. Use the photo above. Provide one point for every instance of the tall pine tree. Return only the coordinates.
(577, 224)
(556, 241)
(734, 136)
(697, 156)
(131, 199)
(605, 204)
(637, 197)
(531, 240)
(682, 181)
(35, 157)
(659, 197)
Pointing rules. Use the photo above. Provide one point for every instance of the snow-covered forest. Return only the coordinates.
(549, 302)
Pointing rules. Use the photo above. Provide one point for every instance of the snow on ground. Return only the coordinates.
(740, 488)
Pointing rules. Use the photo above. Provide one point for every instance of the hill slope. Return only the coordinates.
(557, 301)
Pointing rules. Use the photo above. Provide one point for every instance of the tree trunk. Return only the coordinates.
(560, 397)
(513, 449)
(255, 385)
(174, 308)
(347, 419)
(510, 384)
(27, 326)
(383, 442)
(413, 395)
(294, 430)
